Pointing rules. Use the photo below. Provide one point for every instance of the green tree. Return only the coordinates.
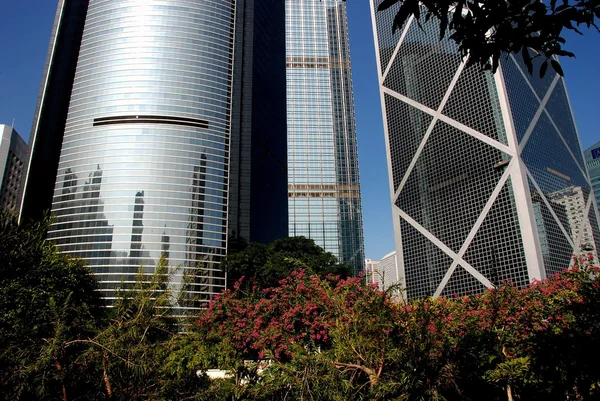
(325, 338)
(265, 265)
(485, 30)
(140, 353)
(58, 342)
(46, 298)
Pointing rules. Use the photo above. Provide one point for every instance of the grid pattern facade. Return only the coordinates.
(592, 160)
(479, 166)
(13, 165)
(557, 177)
(144, 162)
(323, 178)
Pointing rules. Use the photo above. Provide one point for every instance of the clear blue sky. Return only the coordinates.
(25, 32)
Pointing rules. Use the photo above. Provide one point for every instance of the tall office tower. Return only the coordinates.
(484, 168)
(323, 182)
(592, 159)
(13, 166)
(161, 128)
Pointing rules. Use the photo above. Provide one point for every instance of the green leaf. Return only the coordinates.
(563, 53)
(443, 25)
(556, 66)
(403, 14)
(527, 58)
(543, 69)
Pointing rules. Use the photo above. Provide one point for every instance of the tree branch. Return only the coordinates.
(67, 344)
(373, 378)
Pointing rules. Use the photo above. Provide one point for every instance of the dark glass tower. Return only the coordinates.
(161, 127)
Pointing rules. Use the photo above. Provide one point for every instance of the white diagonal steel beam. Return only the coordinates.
(550, 209)
(426, 233)
(521, 192)
(435, 118)
(475, 273)
(512, 57)
(400, 41)
(583, 172)
(443, 247)
(538, 113)
(476, 226)
(452, 122)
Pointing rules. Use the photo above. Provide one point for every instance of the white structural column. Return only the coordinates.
(522, 195)
(395, 214)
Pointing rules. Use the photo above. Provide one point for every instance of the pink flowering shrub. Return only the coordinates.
(298, 314)
(537, 343)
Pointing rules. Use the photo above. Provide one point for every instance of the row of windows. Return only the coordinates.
(320, 126)
(215, 143)
(160, 187)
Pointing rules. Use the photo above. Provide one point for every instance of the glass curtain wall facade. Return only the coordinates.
(258, 203)
(323, 179)
(592, 159)
(146, 157)
(144, 160)
(487, 177)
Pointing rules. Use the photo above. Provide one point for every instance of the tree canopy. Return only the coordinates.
(331, 339)
(309, 337)
(265, 265)
(485, 30)
(44, 296)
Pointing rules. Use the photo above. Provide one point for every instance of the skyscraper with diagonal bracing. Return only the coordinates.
(487, 176)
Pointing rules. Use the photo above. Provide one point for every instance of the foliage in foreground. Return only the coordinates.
(57, 342)
(264, 265)
(45, 298)
(485, 30)
(330, 339)
(310, 337)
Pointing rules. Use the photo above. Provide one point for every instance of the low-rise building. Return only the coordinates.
(14, 154)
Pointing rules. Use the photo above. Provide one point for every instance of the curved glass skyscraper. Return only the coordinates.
(151, 137)
(323, 181)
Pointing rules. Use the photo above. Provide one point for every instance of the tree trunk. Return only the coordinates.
(508, 387)
(373, 376)
(62, 379)
(105, 375)
(509, 392)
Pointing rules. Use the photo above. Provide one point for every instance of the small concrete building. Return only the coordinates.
(14, 154)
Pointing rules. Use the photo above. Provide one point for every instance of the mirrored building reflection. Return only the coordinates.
(323, 179)
(487, 176)
(143, 131)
